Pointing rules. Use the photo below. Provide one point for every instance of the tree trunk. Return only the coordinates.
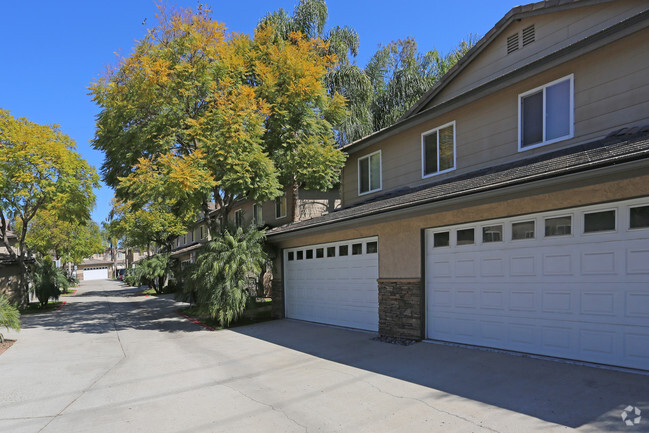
(295, 193)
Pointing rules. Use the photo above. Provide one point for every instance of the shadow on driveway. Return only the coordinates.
(567, 394)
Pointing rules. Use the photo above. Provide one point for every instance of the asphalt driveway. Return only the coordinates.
(110, 361)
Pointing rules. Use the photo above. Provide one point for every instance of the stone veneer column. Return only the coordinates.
(277, 293)
(401, 308)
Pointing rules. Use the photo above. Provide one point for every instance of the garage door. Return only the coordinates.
(571, 284)
(334, 283)
(97, 273)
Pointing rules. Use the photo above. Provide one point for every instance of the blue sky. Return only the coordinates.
(52, 50)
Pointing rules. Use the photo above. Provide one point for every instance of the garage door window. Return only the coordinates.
(639, 217)
(300, 255)
(441, 239)
(319, 253)
(331, 251)
(309, 254)
(357, 249)
(492, 234)
(291, 255)
(343, 250)
(599, 221)
(466, 237)
(523, 230)
(558, 226)
(372, 247)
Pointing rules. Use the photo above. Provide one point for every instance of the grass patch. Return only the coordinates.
(35, 307)
(70, 291)
(255, 312)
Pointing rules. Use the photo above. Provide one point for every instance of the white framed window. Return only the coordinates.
(192, 237)
(238, 218)
(280, 207)
(369, 173)
(546, 114)
(258, 214)
(202, 232)
(438, 150)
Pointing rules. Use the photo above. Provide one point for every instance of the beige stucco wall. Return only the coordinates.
(9, 280)
(400, 237)
(611, 91)
(552, 32)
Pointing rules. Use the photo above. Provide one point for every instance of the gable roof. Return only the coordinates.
(516, 13)
(420, 112)
(624, 145)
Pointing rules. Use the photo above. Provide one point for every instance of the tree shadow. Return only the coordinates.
(567, 394)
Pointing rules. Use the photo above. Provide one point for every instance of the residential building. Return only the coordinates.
(509, 208)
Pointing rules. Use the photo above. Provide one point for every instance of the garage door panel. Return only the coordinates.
(582, 296)
(340, 290)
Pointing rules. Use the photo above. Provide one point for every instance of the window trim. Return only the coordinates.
(423, 150)
(282, 197)
(571, 110)
(358, 167)
(257, 214)
(600, 232)
(238, 218)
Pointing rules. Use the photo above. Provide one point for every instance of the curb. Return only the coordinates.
(61, 306)
(196, 321)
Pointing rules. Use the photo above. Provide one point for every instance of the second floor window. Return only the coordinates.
(546, 114)
(238, 218)
(369, 173)
(202, 232)
(438, 150)
(280, 207)
(258, 214)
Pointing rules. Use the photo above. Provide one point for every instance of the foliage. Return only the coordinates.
(150, 272)
(71, 241)
(400, 76)
(49, 281)
(9, 316)
(180, 125)
(40, 170)
(220, 277)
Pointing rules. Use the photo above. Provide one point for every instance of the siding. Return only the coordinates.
(611, 91)
(553, 32)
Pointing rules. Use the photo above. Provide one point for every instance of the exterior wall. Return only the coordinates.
(400, 237)
(607, 96)
(277, 293)
(9, 280)
(553, 32)
(401, 308)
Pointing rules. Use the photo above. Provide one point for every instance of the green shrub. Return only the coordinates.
(151, 272)
(49, 281)
(220, 280)
(9, 316)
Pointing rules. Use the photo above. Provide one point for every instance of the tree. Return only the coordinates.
(9, 316)
(150, 272)
(180, 124)
(40, 169)
(299, 129)
(400, 75)
(70, 241)
(219, 278)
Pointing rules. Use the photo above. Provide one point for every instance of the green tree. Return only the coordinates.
(290, 75)
(70, 241)
(180, 125)
(9, 316)
(220, 278)
(40, 169)
(151, 272)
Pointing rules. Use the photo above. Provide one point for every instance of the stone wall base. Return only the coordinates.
(401, 308)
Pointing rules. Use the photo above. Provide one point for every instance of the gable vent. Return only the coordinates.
(512, 43)
(528, 35)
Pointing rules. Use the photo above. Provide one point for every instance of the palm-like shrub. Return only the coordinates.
(219, 280)
(150, 272)
(49, 281)
(9, 316)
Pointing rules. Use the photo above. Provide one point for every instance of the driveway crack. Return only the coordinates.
(306, 429)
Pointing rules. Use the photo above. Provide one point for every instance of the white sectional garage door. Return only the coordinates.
(333, 283)
(571, 284)
(97, 273)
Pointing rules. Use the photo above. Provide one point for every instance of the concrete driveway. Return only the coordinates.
(110, 361)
